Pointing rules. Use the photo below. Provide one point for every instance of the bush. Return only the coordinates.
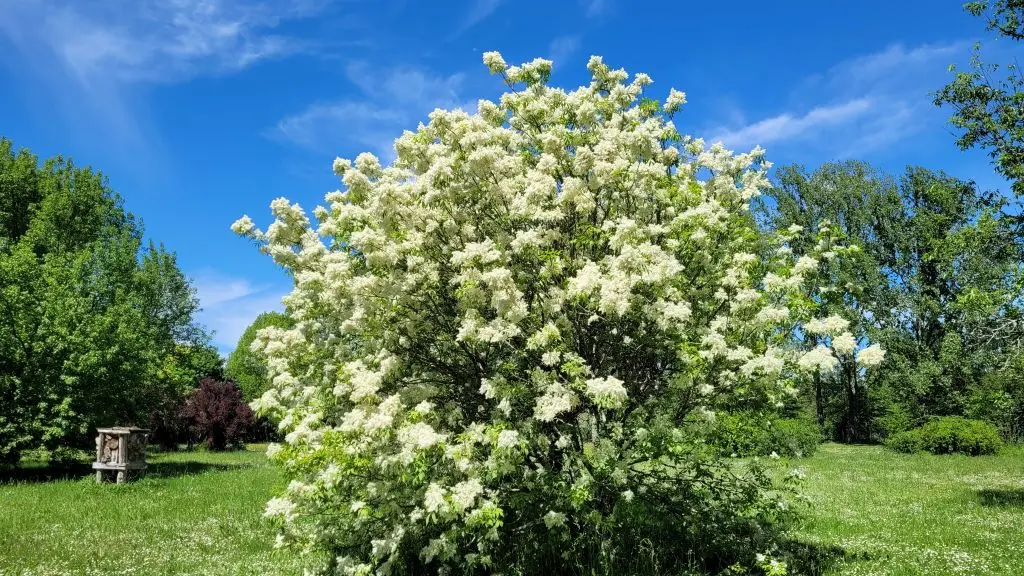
(948, 435)
(749, 434)
(505, 343)
(795, 437)
(216, 415)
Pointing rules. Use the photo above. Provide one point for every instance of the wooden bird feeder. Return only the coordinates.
(120, 449)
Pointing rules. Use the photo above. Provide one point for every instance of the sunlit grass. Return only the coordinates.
(200, 513)
(899, 514)
(194, 513)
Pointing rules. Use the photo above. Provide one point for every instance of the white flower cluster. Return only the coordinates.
(871, 356)
(502, 304)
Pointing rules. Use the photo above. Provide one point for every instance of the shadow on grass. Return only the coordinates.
(172, 469)
(35, 472)
(38, 472)
(814, 559)
(1002, 497)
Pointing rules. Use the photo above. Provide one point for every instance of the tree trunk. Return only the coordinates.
(819, 401)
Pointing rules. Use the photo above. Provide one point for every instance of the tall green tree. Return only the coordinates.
(248, 368)
(939, 260)
(860, 202)
(988, 98)
(88, 318)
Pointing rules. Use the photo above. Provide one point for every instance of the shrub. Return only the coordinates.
(504, 342)
(167, 426)
(216, 415)
(907, 442)
(750, 434)
(795, 437)
(948, 435)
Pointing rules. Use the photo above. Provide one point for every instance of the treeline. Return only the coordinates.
(937, 282)
(97, 327)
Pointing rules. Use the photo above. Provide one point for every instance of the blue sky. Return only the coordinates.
(202, 110)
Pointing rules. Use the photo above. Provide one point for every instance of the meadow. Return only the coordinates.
(193, 513)
(872, 512)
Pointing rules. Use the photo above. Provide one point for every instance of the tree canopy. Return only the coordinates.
(95, 325)
(248, 368)
(988, 98)
(939, 265)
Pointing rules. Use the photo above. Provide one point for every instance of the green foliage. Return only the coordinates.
(88, 317)
(948, 435)
(987, 99)
(249, 368)
(907, 442)
(999, 399)
(937, 282)
(751, 434)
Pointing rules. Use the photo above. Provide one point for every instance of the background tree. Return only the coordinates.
(988, 99)
(248, 368)
(858, 201)
(87, 316)
(939, 261)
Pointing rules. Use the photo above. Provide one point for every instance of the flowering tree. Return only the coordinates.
(509, 342)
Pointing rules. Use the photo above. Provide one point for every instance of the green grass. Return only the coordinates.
(194, 513)
(200, 513)
(902, 515)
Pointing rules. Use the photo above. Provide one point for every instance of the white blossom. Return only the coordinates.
(832, 325)
(464, 493)
(508, 439)
(871, 356)
(243, 226)
(554, 519)
(844, 343)
(675, 100)
(434, 500)
(818, 359)
(607, 392)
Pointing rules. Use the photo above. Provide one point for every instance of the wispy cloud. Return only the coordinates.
(95, 57)
(594, 8)
(480, 10)
(858, 106)
(788, 127)
(230, 304)
(562, 48)
(150, 40)
(390, 101)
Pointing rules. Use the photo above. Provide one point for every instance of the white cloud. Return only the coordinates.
(562, 48)
(481, 10)
(132, 41)
(95, 59)
(860, 105)
(230, 304)
(390, 101)
(789, 127)
(594, 8)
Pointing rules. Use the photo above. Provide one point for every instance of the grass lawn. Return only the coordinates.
(194, 513)
(896, 514)
(199, 513)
